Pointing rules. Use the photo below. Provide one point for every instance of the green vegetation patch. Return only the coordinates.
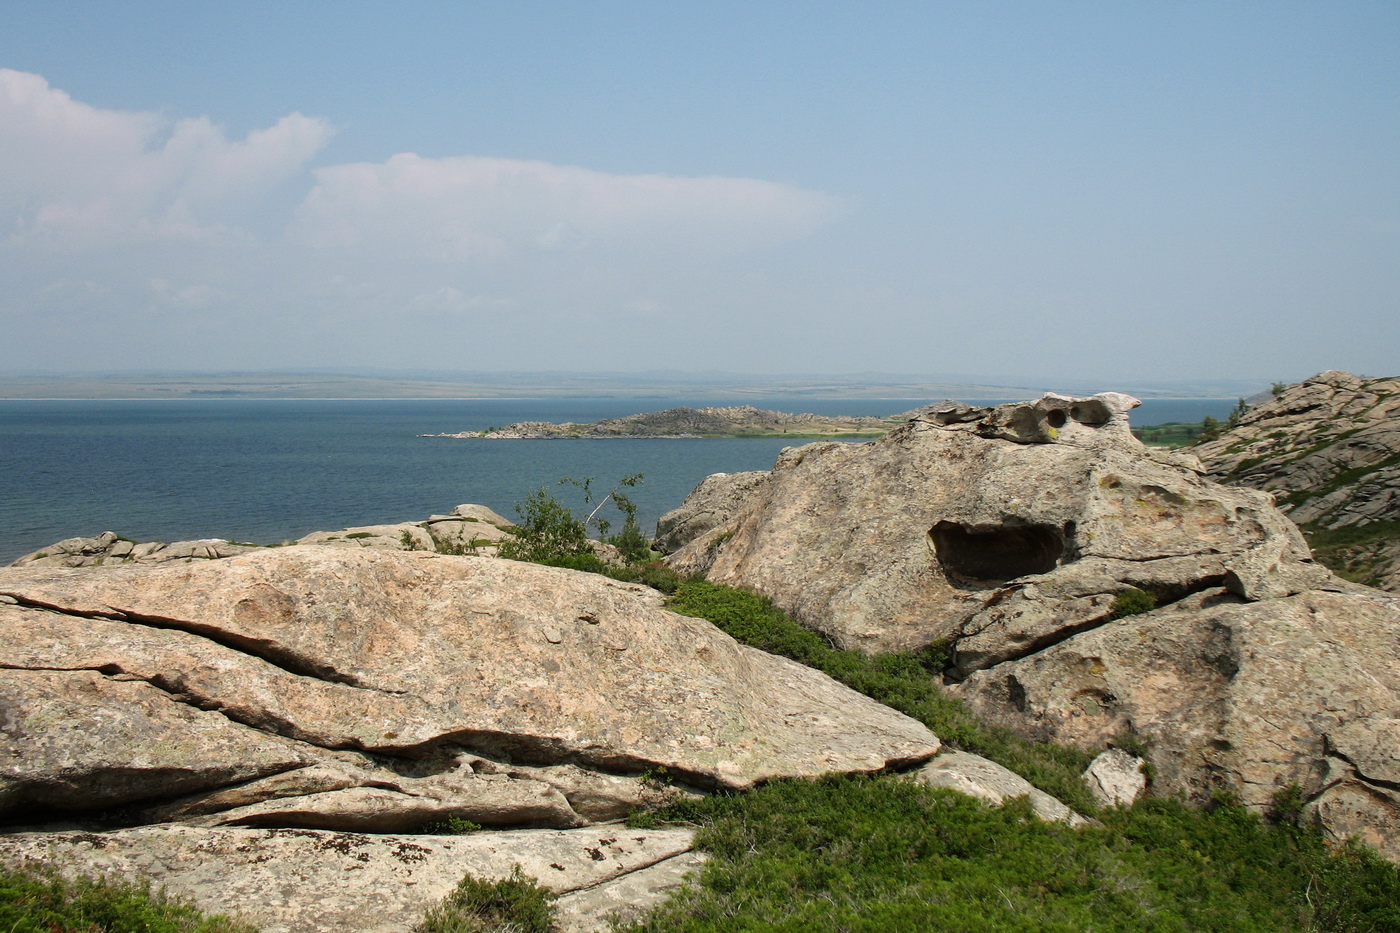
(882, 854)
(1353, 552)
(1132, 602)
(43, 902)
(1169, 434)
(516, 904)
(902, 680)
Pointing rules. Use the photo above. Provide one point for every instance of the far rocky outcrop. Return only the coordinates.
(468, 529)
(286, 701)
(1329, 449)
(731, 421)
(1090, 590)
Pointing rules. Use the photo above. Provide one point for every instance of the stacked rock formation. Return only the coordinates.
(1031, 538)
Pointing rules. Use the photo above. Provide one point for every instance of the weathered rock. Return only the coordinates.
(78, 739)
(1237, 696)
(454, 666)
(1329, 447)
(1115, 778)
(715, 501)
(469, 529)
(990, 782)
(309, 881)
(107, 548)
(962, 520)
(589, 909)
(1020, 534)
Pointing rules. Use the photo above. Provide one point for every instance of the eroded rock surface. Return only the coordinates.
(404, 687)
(993, 784)
(1116, 778)
(715, 501)
(983, 525)
(1087, 587)
(1329, 448)
(467, 529)
(1237, 696)
(309, 881)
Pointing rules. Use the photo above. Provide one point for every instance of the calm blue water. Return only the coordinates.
(268, 471)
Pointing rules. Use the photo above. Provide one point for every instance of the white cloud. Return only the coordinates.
(134, 233)
(480, 209)
(74, 175)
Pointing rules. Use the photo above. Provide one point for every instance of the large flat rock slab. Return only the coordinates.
(308, 881)
(489, 688)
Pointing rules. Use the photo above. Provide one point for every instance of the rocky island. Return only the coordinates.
(731, 421)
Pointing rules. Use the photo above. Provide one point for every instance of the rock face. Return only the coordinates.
(1237, 696)
(1116, 778)
(379, 690)
(468, 529)
(1037, 539)
(311, 881)
(254, 716)
(1329, 448)
(990, 782)
(918, 536)
(716, 500)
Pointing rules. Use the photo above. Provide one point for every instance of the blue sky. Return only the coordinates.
(1014, 191)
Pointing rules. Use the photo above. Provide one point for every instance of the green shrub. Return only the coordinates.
(38, 901)
(884, 853)
(517, 904)
(548, 532)
(1132, 602)
(452, 826)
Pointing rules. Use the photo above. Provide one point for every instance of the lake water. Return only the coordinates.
(270, 470)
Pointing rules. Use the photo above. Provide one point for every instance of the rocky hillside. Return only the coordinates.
(1087, 587)
(733, 421)
(1329, 449)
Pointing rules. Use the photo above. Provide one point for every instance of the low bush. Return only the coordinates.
(43, 902)
(900, 680)
(886, 854)
(1132, 602)
(511, 905)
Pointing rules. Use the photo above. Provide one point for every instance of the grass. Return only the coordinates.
(1132, 602)
(42, 902)
(1352, 551)
(883, 854)
(901, 680)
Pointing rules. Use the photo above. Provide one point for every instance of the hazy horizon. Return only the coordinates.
(1078, 193)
